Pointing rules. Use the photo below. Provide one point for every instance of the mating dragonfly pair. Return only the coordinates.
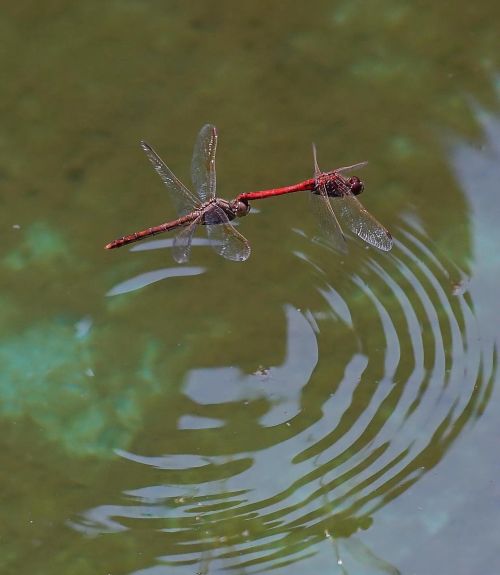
(216, 214)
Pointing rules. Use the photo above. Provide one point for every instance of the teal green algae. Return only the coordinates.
(41, 244)
(48, 376)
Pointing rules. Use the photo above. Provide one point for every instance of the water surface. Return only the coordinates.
(304, 411)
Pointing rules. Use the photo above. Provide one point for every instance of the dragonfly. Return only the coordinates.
(344, 205)
(205, 208)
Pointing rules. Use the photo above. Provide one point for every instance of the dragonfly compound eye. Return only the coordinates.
(356, 185)
(241, 208)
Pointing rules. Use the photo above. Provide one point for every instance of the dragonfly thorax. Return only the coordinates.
(335, 184)
(211, 210)
(330, 182)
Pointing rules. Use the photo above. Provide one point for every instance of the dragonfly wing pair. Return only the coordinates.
(363, 224)
(184, 200)
(324, 213)
(346, 207)
(224, 238)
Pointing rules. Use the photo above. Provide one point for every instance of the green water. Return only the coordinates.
(301, 412)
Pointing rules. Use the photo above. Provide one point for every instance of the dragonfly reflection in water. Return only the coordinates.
(206, 209)
(344, 206)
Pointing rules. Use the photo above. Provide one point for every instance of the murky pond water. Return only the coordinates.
(303, 411)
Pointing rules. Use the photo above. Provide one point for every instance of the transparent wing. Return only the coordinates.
(184, 200)
(361, 222)
(224, 238)
(182, 242)
(324, 213)
(353, 167)
(203, 163)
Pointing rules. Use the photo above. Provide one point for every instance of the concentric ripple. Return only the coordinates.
(383, 370)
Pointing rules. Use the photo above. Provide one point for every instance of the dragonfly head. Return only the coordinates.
(356, 185)
(240, 207)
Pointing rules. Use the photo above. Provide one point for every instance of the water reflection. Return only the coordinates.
(476, 167)
(280, 387)
(148, 278)
(382, 371)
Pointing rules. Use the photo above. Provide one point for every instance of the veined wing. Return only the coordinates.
(224, 238)
(182, 241)
(353, 167)
(203, 163)
(360, 221)
(324, 213)
(184, 200)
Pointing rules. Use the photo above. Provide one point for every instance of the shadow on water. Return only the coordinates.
(382, 372)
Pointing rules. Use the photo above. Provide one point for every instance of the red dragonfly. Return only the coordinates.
(344, 205)
(206, 209)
